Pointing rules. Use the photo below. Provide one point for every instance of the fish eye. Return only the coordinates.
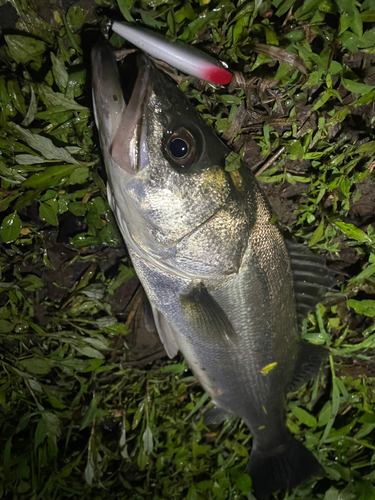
(181, 148)
(178, 148)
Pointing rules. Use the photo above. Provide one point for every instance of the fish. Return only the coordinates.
(226, 289)
(180, 55)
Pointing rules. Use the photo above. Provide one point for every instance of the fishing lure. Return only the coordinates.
(181, 56)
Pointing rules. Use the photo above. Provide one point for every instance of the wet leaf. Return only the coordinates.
(353, 232)
(48, 212)
(148, 442)
(356, 87)
(50, 177)
(366, 307)
(11, 228)
(318, 234)
(303, 416)
(36, 366)
(45, 146)
(25, 49)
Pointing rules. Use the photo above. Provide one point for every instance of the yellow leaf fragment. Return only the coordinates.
(268, 368)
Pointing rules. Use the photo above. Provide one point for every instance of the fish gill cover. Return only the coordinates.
(89, 404)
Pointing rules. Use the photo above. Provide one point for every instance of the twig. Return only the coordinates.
(273, 158)
(270, 161)
(160, 353)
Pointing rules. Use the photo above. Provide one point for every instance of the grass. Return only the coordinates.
(81, 415)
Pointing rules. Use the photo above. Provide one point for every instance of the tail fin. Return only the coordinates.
(282, 469)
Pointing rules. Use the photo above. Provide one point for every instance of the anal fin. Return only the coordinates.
(309, 361)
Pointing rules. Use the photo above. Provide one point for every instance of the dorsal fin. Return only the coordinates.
(312, 278)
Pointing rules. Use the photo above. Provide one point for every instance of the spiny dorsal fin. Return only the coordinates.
(312, 278)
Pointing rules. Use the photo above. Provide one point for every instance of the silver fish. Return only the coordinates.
(219, 276)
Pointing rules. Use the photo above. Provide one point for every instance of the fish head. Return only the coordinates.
(165, 166)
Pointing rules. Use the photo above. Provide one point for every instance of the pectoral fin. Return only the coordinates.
(205, 316)
(166, 332)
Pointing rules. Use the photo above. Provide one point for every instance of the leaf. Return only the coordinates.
(24, 49)
(52, 423)
(27, 159)
(148, 442)
(11, 228)
(58, 99)
(232, 162)
(365, 307)
(40, 433)
(175, 368)
(59, 72)
(89, 470)
(124, 6)
(199, 405)
(50, 177)
(30, 283)
(304, 417)
(32, 110)
(76, 17)
(80, 176)
(353, 232)
(45, 146)
(191, 31)
(367, 149)
(138, 414)
(56, 115)
(356, 87)
(318, 234)
(244, 483)
(368, 16)
(36, 366)
(91, 412)
(286, 5)
(309, 5)
(268, 368)
(6, 326)
(366, 273)
(48, 213)
(90, 352)
(16, 96)
(325, 414)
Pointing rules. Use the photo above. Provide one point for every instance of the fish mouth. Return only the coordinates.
(120, 97)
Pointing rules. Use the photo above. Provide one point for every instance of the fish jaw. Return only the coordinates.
(122, 133)
(120, 124)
